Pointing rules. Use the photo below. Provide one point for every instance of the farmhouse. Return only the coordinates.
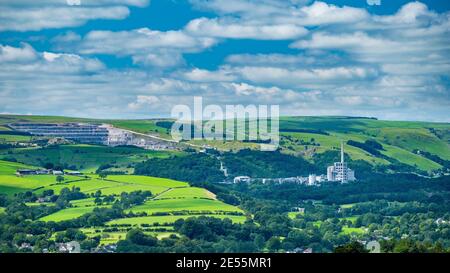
(42, 172)
(74, 173)
(25, 172)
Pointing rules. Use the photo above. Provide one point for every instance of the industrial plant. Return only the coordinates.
(99, 134)
(338, 172)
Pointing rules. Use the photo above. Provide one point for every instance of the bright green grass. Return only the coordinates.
(171, 205)
(117, 190)
(399, 138)
(6, 119)
(107, 238)
(140, 126)
(333, 142)
(85, 157)
(293, 214)
(68, 214)
(2, 210)
(226, 145)
(14, 138)
(189, 192)
(352, 230)
(86, 186)
(112, 237)
(170, 219)
(347, 206)
(26, 183)
(88, 202)
(7, 167)
(147, 181)
(10, 190)
(411, 139)
(410, 159)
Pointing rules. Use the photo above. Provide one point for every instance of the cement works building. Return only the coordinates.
(78, 132)
(100, 134)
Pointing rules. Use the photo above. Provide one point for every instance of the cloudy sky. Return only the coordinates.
(138, 58)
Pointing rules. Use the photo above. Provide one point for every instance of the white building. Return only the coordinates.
(117, 137)
(241, 179)
(339, 171)
(312, 179)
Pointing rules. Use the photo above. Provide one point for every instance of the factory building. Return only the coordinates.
(103, 134)
(78, 132)
(339, 171)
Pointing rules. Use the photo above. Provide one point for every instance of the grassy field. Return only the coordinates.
(347, 206)
(32, 182)
(399, 139)
(190, 192)
(411, 139)
(409, 158)
(10, 168)
(46, 204)
(169, 196)
(14, 138)
(84, 157)
(112, 237)
(169, 219)
(88, 202)
(184, 204)
(352, 230)
(333, 142)
(85, 185)
(293, 214)
(68, 214)
(147, 181)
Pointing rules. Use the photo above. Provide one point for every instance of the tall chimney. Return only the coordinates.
(342, 151)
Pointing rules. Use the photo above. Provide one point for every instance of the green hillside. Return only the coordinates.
(403, 141)
(170, 200)
(400, 139)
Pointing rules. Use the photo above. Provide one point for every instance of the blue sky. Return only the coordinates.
(139, 58)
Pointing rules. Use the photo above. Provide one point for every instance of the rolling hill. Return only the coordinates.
(424, 146)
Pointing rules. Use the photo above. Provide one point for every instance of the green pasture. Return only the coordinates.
(7, 167)
(147, 181)
(84, 157)
(352, 230)
(188, 192)
(169, 219)
(187, 205)
(68, 214)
